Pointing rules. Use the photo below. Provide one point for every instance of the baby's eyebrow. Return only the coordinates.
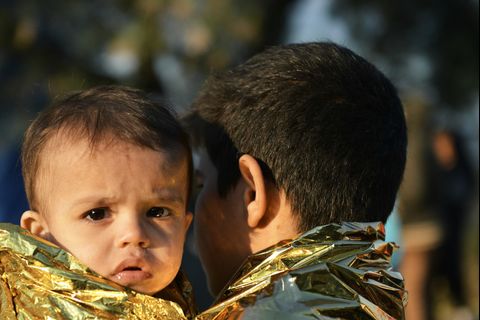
(95, 199)
(169, 194)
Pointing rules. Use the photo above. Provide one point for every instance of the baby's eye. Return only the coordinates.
(158, 212)
(96, 214)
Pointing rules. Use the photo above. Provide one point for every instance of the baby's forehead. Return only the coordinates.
(80, 145)
(61, 144)
(63, 151)
(86, 147)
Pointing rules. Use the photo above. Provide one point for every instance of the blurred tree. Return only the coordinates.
(440, 37)
(164, 46)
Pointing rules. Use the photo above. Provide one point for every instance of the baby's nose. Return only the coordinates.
(133, 233)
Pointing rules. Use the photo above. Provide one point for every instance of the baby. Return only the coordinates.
(107, 175)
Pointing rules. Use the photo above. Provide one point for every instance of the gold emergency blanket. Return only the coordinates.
(336, 271)
(41, 281)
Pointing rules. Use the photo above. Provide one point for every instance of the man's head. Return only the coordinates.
(107, 174)
(325, 128)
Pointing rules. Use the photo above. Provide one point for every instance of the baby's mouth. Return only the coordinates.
(131, 276)
(128, 274)
(132, 269)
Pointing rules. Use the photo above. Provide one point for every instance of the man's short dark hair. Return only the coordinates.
(105, 111)
(324, 123)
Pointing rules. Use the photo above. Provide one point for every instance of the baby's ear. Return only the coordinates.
(33, 222)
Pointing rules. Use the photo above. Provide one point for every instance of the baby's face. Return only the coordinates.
(120, 209)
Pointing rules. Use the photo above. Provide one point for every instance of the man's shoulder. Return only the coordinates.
(334, 271)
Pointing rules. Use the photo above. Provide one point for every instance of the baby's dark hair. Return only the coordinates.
(326, 126)
(102, 112)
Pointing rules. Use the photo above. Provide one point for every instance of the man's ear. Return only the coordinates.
(255, 194)
(33, 222)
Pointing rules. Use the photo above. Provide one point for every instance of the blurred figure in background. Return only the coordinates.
(421, 231)
(451, 187)
(435, 203)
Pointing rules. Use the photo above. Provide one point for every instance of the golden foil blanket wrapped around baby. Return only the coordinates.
(336, 271)
(40, 280)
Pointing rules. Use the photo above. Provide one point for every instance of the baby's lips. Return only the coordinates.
(131, 264)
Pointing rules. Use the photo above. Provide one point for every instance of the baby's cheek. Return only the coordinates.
(171, 255)
(175, 253)
(166, 251)
(168, 261)
(92, 256)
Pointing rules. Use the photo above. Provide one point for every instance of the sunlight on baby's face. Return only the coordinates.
(119, 208)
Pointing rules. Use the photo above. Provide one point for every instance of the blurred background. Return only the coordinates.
(428, 48)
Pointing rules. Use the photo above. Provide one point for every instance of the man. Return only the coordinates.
(302, 138)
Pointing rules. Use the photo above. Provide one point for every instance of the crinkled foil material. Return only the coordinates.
(41, 281)
(336, 271)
